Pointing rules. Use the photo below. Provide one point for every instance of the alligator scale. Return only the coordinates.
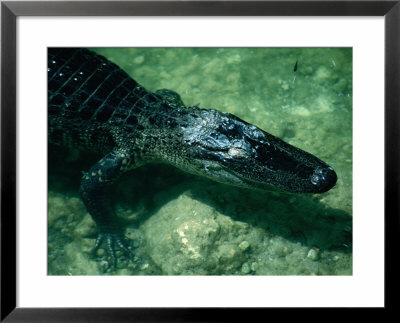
(94, 105)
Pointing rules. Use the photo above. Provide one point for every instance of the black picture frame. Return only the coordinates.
(10, 10)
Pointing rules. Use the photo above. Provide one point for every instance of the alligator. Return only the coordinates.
(94, 105)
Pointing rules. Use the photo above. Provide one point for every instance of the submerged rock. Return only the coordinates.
(188, 237)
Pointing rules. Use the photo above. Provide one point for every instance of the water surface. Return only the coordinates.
(185, 225)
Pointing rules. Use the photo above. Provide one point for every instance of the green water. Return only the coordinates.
(181, 224)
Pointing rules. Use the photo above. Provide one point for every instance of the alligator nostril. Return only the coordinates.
(315, 179)
(324, 178)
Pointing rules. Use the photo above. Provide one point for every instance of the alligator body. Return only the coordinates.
(94, 105)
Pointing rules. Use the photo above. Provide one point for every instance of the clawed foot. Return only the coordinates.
(111, 240)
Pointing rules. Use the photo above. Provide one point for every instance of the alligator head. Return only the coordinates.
(229, 150)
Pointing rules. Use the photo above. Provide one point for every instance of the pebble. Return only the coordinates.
(245, 268)
(254, 266)
(313, 254)
(244, 245)
(233, 59)
(139, 59)
(301, 111)
(281, 251)
(285, 86)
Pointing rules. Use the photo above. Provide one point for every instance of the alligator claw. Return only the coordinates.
(111, 240)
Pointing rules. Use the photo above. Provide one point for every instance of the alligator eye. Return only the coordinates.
(237, 152)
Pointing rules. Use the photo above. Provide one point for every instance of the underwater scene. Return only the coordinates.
(177, 223)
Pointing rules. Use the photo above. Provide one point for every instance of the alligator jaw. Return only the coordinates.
(324, 179)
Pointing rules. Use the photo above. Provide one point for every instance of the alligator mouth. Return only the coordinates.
(245, 182)
(322, 180)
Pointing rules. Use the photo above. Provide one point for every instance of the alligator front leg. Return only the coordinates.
(96, 190)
